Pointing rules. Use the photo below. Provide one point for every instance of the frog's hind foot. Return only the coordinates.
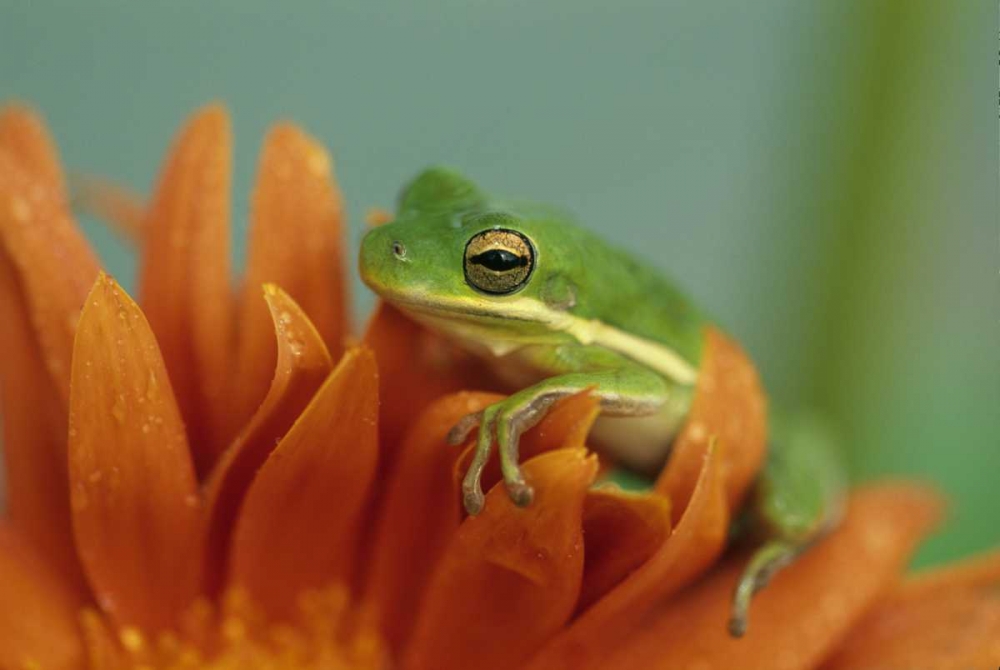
(764, 563)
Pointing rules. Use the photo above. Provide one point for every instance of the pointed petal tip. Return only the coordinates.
(105, 291)
(292, 142)
(24, 133)
(214, 113)
(14, 106)
(363, 358)
(301, 339)
(377, 216)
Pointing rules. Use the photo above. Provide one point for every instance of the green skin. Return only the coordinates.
(571, 313)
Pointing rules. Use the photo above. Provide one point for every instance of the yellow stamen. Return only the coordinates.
(328, 633)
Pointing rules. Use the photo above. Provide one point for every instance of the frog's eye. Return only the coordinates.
(498, 261)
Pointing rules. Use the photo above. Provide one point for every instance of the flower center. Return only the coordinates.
(328, 633)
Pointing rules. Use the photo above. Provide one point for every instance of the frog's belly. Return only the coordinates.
(639, 443)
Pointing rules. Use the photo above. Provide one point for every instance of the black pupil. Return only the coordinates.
(499, 260)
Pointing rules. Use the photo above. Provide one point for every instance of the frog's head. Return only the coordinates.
(452, 253)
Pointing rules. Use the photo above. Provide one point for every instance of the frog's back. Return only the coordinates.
(620, 301)
(620, 289)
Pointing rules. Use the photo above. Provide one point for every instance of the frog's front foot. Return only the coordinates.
(502, 423)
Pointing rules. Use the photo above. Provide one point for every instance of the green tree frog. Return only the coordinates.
(554, 311)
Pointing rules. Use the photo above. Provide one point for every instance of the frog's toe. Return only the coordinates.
(509, 426)
(472, 488)
(764, 563)
(461, 430)
(472, 496)
(520, 493)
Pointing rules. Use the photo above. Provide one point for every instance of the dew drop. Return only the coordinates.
(20, 209)
(698, 431)
(296, 348)
(131, 639)
(152, 387)
(118, 409)
(106, 602)
(319, 163)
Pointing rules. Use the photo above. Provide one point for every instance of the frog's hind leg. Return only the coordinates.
(797, 499)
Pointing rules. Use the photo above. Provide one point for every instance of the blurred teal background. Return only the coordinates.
(822, 176)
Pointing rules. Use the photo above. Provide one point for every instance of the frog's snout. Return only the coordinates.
(379, 258)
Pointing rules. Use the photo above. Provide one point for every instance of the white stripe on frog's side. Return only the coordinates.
(463, 319)
(655, 356)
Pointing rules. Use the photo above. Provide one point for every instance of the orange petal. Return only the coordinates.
(377, 216)
(974, 573)
(46, 269)
(23, 134)
(565, 427)
(38, 611)
(299, 525)
(52, 262)
(133, 491)
(34, 436)
(948, 618)
(123, 210)
(729, 404)
(622, 531)
(807, 609)
(416, 367)
(510, 577)
(691, 548)
(297, 242)
(103, 651)
(419, 516)
(303, 363)
(184, 282)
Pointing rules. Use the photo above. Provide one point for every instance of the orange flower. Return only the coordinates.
(222, 479)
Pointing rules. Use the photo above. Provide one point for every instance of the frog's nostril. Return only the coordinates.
(398, 250)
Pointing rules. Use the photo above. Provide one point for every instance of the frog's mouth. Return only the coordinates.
(519, 311)
(499, 334)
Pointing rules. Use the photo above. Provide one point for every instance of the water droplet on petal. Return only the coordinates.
(20, 209)
(152, 387)
(118, 409)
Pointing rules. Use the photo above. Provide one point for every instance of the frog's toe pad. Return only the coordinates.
(473, 500)
(738, 625)
(521, 493)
